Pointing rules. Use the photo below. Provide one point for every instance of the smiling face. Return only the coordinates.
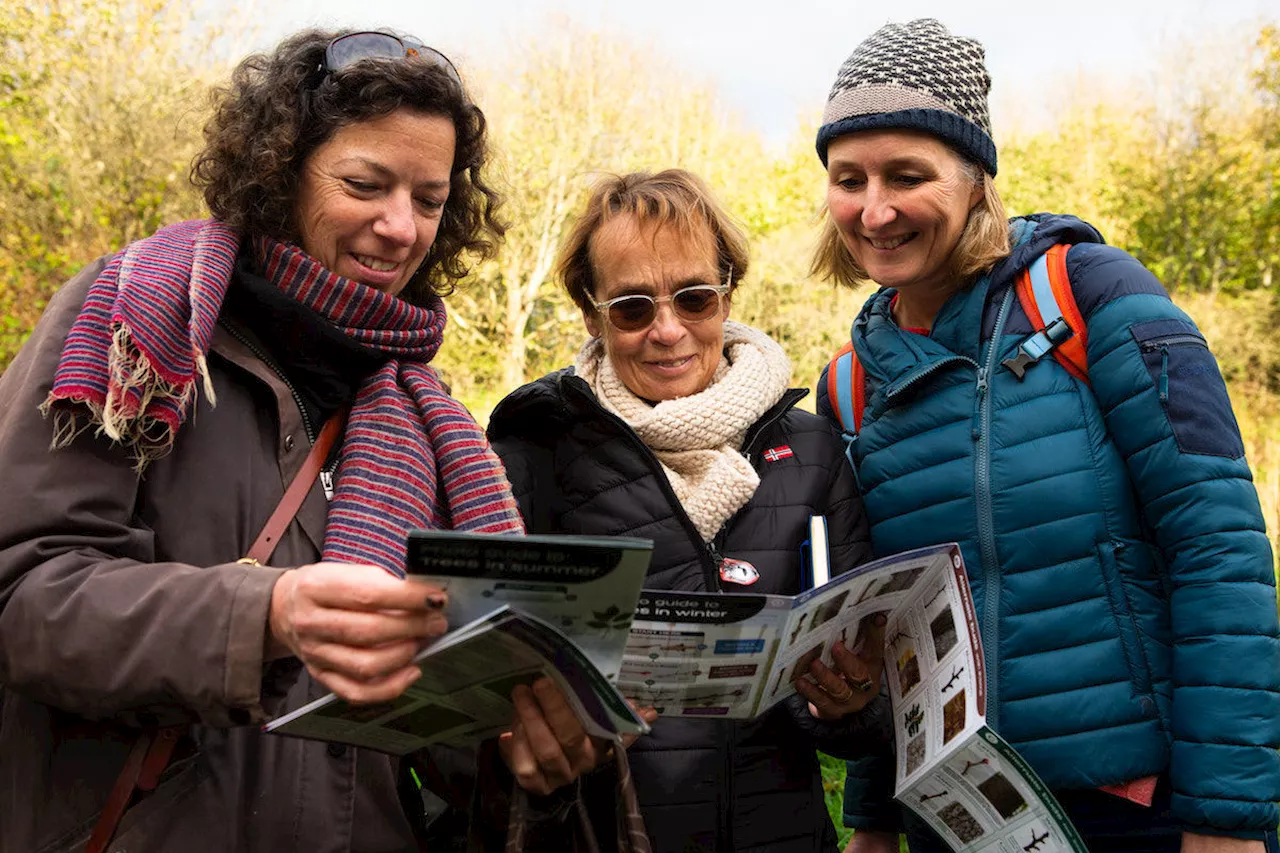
(900, 200)
(671, 357)
(371, 197)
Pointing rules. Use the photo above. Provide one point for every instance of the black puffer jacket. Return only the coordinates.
(703, 785)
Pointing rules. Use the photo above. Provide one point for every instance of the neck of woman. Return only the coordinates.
(918, 305)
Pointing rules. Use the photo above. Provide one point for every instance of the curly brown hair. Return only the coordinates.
(279, 107)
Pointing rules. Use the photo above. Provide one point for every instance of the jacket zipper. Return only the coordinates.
(265, 359)
(1161, 345)
(986, 524)
(750, 447)
(906, 382)
(326, 473)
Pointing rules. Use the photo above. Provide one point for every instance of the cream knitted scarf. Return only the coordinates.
(698, 439)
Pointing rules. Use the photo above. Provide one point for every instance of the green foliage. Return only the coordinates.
(833, 792)
(96, 133)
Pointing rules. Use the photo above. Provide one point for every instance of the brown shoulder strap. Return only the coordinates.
(269, 538)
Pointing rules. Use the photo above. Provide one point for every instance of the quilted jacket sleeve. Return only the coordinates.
(1165, 406)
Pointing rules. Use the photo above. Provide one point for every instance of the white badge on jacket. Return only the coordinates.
(738, 571)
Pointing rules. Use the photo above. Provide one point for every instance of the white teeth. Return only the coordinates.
(375, 264)
(888, 244)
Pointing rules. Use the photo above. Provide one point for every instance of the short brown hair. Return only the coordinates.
(672, 197)
(279, 107)
(984, 241)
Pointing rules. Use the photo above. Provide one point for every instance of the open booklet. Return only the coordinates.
(528, 607)
(957, 774)
(733, 656)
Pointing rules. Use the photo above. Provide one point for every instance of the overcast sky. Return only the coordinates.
(774, 60)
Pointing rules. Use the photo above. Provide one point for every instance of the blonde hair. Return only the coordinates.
(984, 241)
(672, 197)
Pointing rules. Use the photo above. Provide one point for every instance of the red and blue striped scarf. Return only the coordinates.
(413, 457)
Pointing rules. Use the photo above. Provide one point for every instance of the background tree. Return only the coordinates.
(563, 111)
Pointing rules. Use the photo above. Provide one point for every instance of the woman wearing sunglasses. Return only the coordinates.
(676, 424)
(151, 425)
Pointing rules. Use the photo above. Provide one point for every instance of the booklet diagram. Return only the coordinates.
(735, 655)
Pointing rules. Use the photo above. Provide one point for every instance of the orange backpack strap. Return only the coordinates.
(846, 388)
(1044, 291)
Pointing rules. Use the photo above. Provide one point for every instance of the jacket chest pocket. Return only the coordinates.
(1192, 391)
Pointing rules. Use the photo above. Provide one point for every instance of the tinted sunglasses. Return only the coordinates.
(637, 311)
(345, 51)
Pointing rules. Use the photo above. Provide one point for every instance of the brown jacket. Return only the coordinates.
(121, 603)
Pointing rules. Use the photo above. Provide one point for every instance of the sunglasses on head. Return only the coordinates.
(637, 311)
(345, 51)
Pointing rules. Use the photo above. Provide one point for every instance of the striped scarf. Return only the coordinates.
(413, 457)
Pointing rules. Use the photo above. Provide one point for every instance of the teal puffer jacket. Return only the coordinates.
(1115, 545)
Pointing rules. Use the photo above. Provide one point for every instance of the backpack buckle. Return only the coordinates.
(1038, 346)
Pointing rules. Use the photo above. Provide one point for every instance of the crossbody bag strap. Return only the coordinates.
(263, 547)
(152, 750)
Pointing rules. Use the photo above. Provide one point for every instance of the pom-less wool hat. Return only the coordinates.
(914, 76)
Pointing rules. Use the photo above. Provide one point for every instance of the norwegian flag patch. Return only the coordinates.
(773, 454)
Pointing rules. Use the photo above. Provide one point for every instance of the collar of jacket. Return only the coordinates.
(895, 359)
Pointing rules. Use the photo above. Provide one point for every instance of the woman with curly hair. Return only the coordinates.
(269, 362)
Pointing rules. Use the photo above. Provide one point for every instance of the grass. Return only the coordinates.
(833, 791)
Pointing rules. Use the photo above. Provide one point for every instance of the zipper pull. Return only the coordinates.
(1164, 373)
(717, 560)
(326, 482)
(977, 403)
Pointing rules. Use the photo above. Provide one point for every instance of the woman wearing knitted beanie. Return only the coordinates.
(244, 426)
(676, 424)
(1077, 440)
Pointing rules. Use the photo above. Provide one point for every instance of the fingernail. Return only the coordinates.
(436, 602)
(880, 620)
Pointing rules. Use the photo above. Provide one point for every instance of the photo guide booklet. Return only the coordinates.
(733, 656)
(520, 608)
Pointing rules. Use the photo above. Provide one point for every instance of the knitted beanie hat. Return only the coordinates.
(915, 76)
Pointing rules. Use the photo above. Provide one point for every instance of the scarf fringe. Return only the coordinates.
(69, 422)
(121, 419)
(129, 371)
